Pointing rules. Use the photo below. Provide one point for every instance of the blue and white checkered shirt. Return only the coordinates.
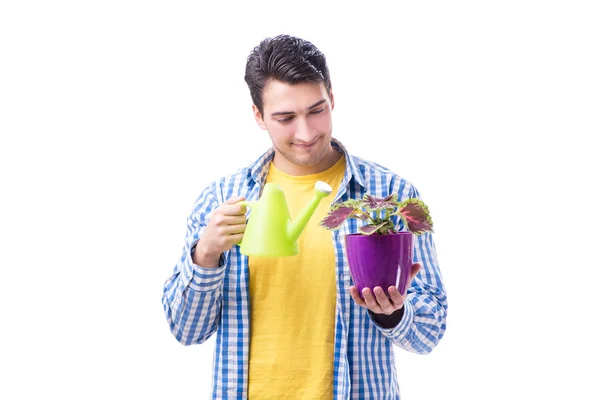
(201, 301)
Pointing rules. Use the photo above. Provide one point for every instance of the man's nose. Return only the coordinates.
(304, 131)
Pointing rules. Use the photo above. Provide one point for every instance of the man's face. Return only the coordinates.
(298, 119)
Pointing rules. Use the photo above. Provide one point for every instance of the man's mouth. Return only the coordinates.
(306, 145)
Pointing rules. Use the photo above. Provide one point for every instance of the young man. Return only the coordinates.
(295, 327)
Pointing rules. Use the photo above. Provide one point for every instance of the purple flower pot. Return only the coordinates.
(380, 260)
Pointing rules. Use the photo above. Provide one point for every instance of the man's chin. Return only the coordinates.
(303, 162)
(314, 157)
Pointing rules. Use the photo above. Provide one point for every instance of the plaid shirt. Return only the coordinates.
(201, 301)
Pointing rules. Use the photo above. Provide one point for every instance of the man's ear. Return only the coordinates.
(258, 117)
(331, 98)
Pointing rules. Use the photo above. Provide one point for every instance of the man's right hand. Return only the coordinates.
(225, 228)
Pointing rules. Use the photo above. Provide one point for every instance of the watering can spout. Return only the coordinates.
(296, 227)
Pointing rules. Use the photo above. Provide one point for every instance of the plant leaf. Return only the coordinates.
(373, 203)
(361, 215)
(415, 215)
(370, 229)
(357, 204)
(336, 217)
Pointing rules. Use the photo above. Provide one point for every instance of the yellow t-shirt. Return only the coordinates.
(292, 303)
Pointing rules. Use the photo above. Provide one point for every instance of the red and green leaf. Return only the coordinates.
(371, 229)
(373, 203)
(336, 217)
(415, 215)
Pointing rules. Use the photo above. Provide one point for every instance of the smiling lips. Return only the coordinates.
(306, 146)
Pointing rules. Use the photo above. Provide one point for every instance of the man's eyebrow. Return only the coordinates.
(318, 103)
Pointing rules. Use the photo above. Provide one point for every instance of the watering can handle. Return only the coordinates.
(247, 204)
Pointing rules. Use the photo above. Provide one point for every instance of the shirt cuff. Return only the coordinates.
(203, 279)
(398, 332)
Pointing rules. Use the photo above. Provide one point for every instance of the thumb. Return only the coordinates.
(416, 267)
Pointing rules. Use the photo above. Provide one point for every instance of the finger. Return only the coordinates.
(219, 221)
(371, 302)
(233, 229)
(234, 239)
(233, 209)
(234, 199)
(416, 267)
(232, 220)
(356, 297)
(396, 297)
(383, 300)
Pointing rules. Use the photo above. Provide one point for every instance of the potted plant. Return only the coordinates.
(379, 255)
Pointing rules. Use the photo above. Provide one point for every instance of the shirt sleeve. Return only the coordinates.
(424, 321)
(192, 295)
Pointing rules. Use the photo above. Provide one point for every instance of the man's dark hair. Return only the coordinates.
(284, 58)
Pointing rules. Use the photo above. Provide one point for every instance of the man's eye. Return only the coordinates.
(284, 120)
(317, 111)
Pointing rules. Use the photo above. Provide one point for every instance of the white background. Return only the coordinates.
(115, 114)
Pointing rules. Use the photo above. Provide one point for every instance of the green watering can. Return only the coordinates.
(270, 232)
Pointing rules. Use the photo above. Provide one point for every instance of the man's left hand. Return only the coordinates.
(378, 302)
